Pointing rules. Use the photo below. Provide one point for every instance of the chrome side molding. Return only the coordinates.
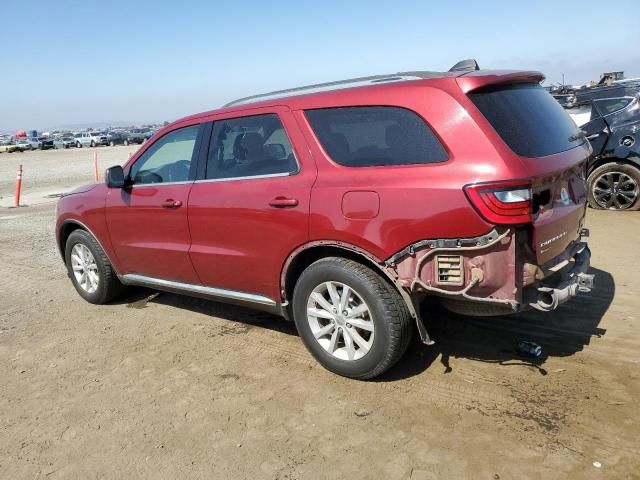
(198, 290)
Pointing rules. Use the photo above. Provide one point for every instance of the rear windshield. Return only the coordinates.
(375, 136)
(528, 119)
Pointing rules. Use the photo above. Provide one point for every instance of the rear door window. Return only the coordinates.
(528, 119)
(375, 136)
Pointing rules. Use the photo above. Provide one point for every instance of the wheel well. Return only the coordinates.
(603, 161)
(312, 254)
(65, 231)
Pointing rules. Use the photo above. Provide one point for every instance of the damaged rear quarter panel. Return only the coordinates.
(501, 269)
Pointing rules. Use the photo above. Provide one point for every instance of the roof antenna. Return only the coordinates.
(465, 66)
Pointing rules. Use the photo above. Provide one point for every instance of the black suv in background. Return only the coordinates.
(137, 135)
(117, 138)
(45, 143)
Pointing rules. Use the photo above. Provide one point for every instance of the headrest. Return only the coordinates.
(252, 141)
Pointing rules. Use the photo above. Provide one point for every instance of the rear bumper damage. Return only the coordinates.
(574, 279)
(494, 274)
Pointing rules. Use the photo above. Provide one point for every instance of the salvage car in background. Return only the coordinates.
(23, 144)
(137, 135)
(117, 138)
(613, 128)
(32, 143)
(91, 139)
(10, 146)
(611, 85)
(64, 142)
(45, 143)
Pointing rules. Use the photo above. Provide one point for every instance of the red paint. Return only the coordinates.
(241, 234)
(360, 205)
(149, 238)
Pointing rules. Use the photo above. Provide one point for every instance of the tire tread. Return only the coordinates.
(112, 286)
(397, 318)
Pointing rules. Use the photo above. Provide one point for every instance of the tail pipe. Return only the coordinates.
(576, 281)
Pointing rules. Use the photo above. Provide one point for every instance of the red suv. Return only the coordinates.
(342, 206)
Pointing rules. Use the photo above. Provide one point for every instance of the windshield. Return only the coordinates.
(530, 121)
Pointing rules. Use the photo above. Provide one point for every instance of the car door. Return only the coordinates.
(252, 208)
(147, 220)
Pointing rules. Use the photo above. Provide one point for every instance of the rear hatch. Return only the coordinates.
(553, 151)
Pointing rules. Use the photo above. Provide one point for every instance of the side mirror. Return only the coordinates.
(114, 177)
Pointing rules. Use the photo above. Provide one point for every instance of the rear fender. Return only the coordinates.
(483, 268)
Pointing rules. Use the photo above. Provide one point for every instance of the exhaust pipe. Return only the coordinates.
(550, 298)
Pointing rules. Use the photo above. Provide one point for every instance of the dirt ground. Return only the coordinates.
(163, 386)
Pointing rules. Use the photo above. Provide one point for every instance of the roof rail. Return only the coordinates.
(352, 82)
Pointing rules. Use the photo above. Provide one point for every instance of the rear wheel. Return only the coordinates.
(93, 144)
(89, 268)
(350, 319)
(78, 145)
(615, 186)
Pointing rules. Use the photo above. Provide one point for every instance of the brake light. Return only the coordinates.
(502, 203)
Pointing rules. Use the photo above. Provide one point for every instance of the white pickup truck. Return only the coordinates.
(91, 139)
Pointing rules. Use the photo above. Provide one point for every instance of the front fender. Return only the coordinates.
(86, 210)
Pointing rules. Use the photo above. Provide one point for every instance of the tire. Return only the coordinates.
(386, 311)
(78, 145)
(112, 143)
(615, 177)
(108, 285)
(93, 144)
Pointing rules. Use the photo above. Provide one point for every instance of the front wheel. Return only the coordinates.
(78, 145)
(614, 186)
(89, 268)
(350, 319)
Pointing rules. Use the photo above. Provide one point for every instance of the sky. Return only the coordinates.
(73, 63)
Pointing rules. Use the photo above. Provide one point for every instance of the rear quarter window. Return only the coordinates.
(530, 121)
(375, 136)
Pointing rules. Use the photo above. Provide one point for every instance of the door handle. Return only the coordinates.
(170, 203)
(283, 202)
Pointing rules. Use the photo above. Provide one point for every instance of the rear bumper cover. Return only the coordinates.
(573, 280)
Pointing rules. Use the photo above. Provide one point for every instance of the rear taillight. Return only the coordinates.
(502, 203)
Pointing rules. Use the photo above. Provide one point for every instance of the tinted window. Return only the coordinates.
(527, 118)
(372, 136)
(168, 159)
(610, 105)
(249, 147)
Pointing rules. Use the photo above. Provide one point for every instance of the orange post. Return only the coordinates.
(18, 186)
(129, 155)
(95, 165)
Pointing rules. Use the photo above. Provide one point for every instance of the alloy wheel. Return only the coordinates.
(615, 190)
(85, 269)
(340, 321)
